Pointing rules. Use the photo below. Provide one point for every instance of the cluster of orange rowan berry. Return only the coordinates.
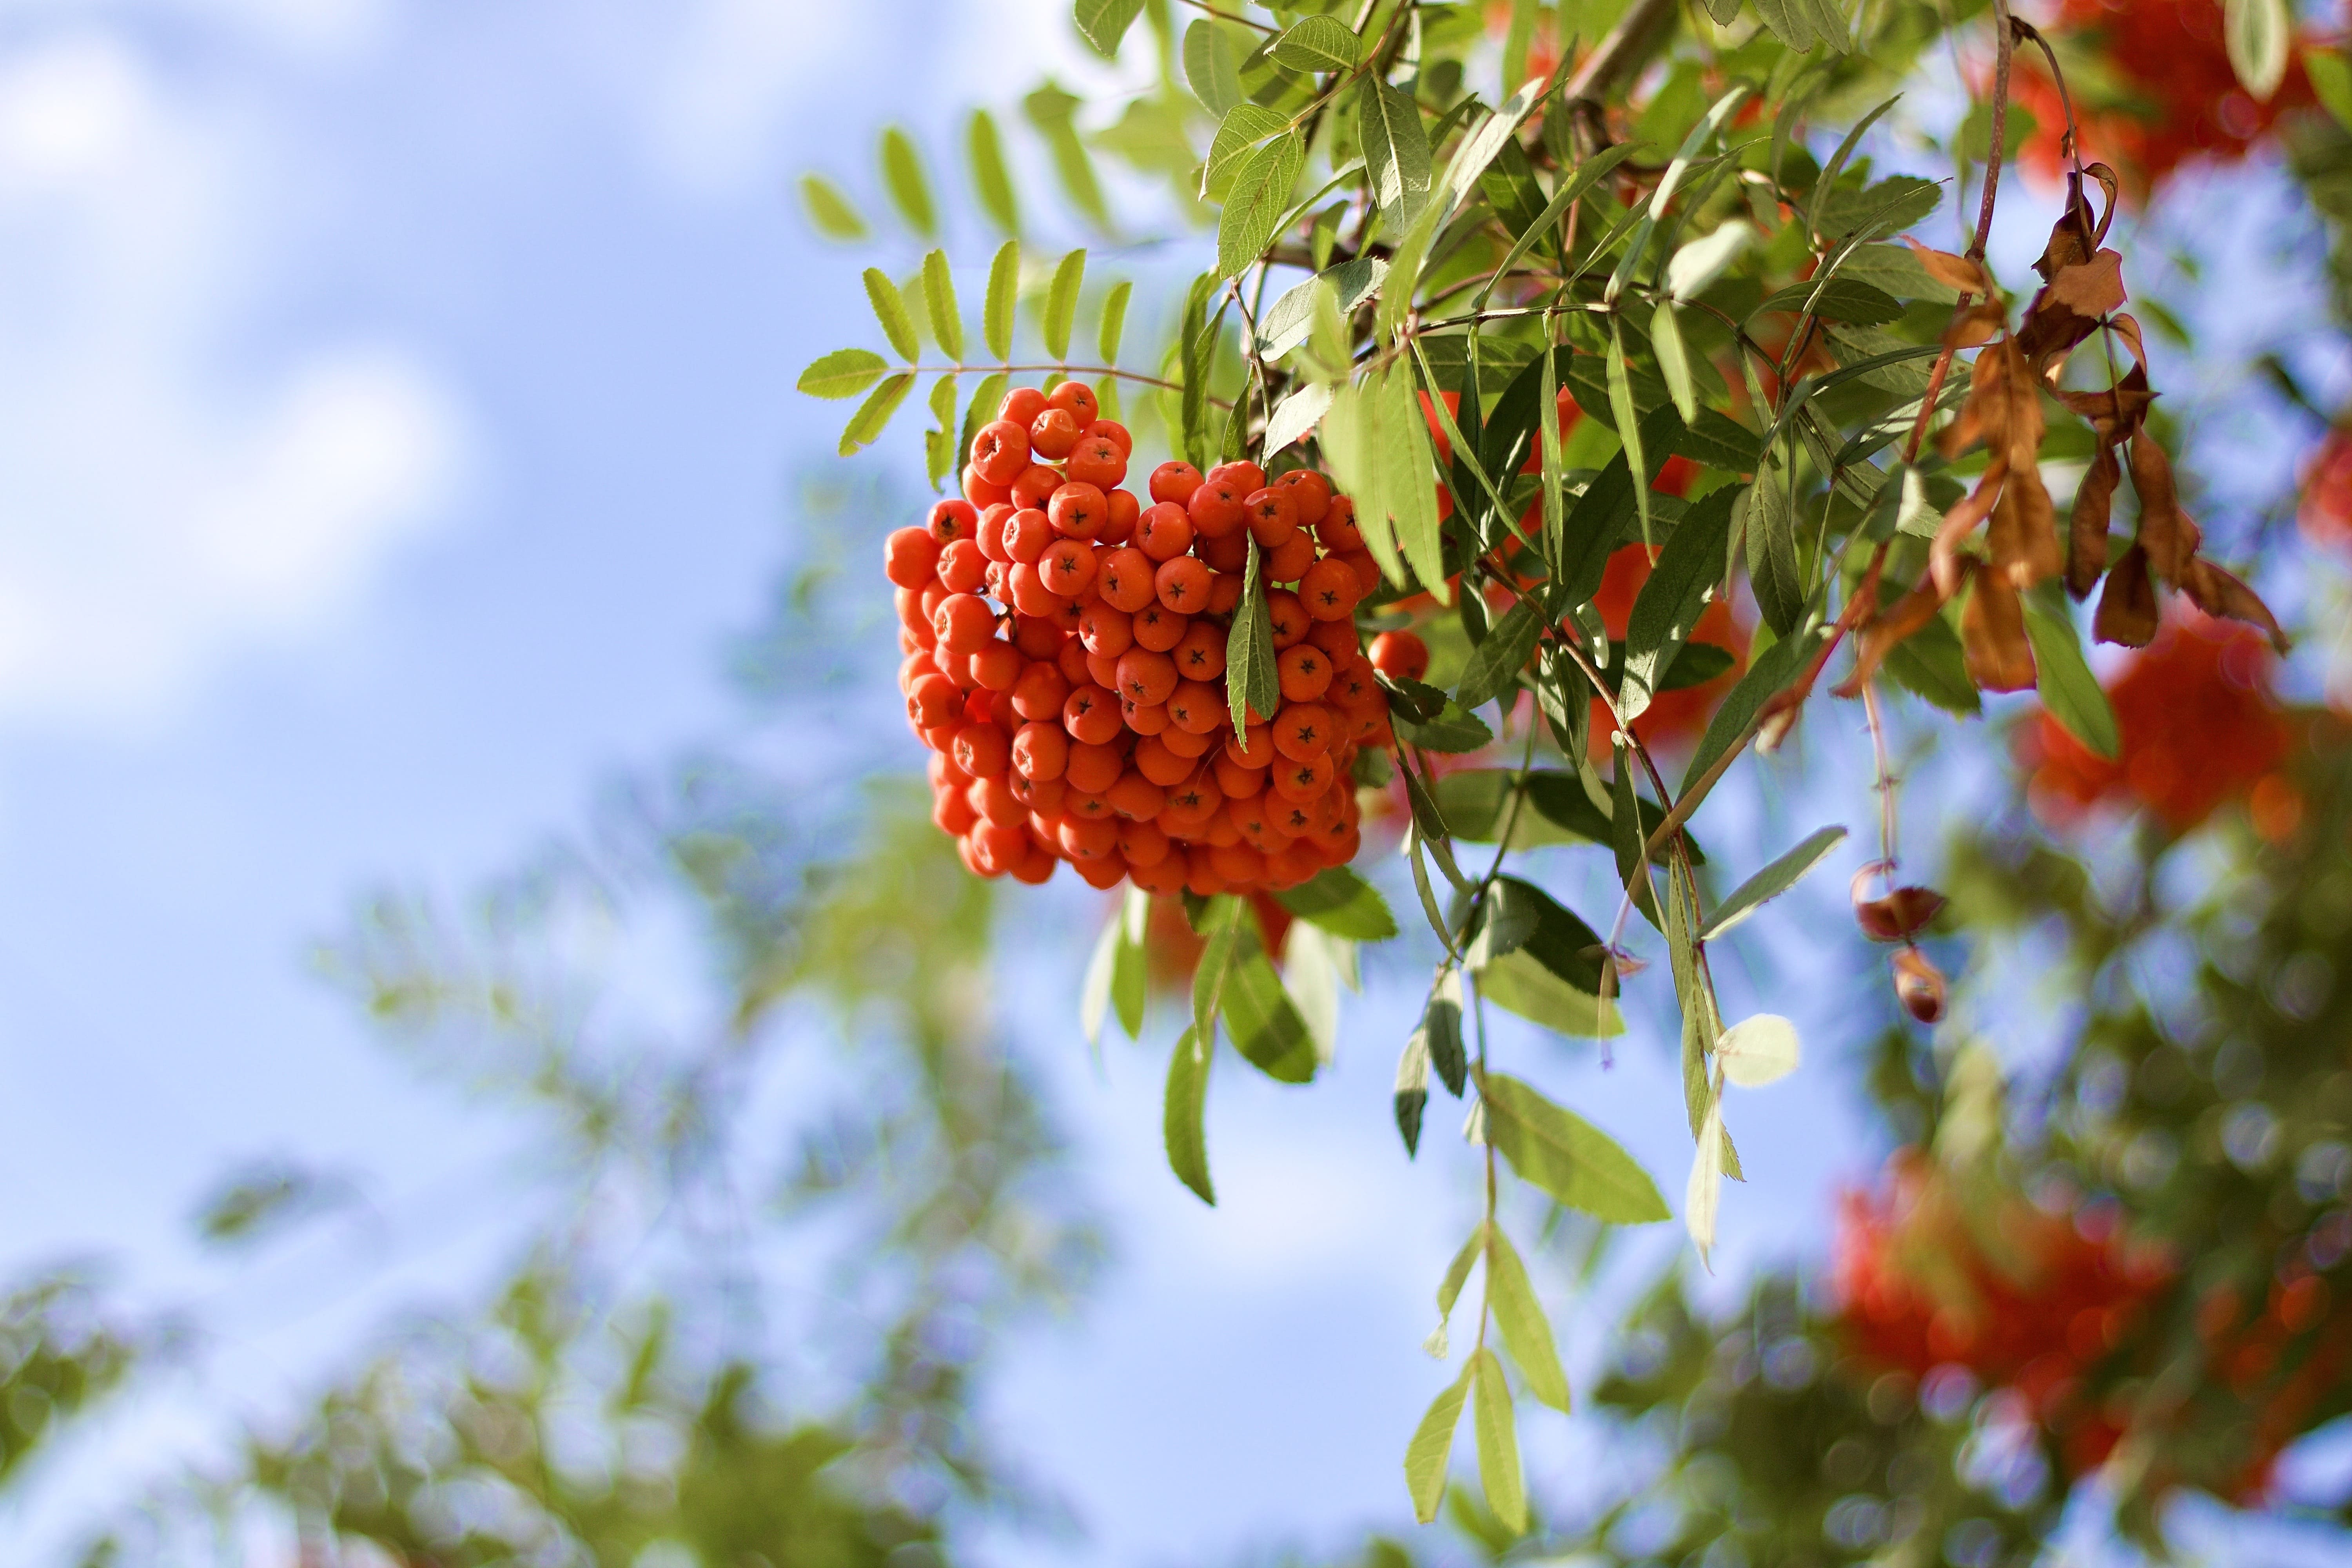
(1065, 650)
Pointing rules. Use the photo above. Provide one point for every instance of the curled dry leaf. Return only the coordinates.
(2217, 592)
(1905, 616)
(2161, 525)
(1947, 567)
(1957, 272)
(2126, 615)
(1898, 915)
(2075, 236)
(1919, 985)
(1999, 656)
(2070, 307)
(2086, 528)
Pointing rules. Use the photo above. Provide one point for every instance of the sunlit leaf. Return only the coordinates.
(1566, 1155)
(845, 372)
(939, 305)
(1527, 1331)
(1770, 883)
(873, 416)
(1317, 45)
(1260, 194)
(2258, 34)
(1499, 1443)
(902, 176)
(890, 310)
(1426, 1456)
(1004, 292)
(1114, 320)
(1103, 23)
(829, 210)
(1396, 152)
(1062, 304)
(1183, 1111)
(1342, 903)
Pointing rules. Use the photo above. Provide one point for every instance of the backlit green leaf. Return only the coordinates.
(1062, 304)
(890, 310)
(1494, 664)
(1527, 1331)
(1566, 1155)
(1499, 1443)
(902, 176)
(1183, 1111)
(990, 178)
(2258, 34)
(867, 424)
(1318, 45)
(1103, 23)
(1249, 679)
(1343, 903)
(1260, 194)
(2069, 690)
(1114, 320)
(1770, 883)
(845, 372)
(1003, 291)
(829, 209)
(939, 305)
(1396, 152)
(1426, 1456)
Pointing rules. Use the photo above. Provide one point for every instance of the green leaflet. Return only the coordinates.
(1929, 662)
(829, 210)
(1454, 730)
(990, 178)
(1494, 664)
(867, 424)
(1053, 111)
(1062, 304)
(1527, 1333)
(1519, 982)
(1426, 1456)
(1214, 52)
(1130, 972)
(939, 305)
(1396, 152)
(1848, 300)
(1769, 533)
(890, 310)
(1290, 320)
(2258, 34)
(1410, 480)
(1114, 320)
(1343, 903)
(1196, 346)
(1770, 883)
(1265, 1025)
(1499, 1443)
(1772, 672)
(1004, 292)
(1317, 45)
(1250, 679)
(1244, 126)
(1441, 1029)
(2069, 690)
(1673, 360)
(902, 176)
(1411, 1097)
(1627, 839)
(985, 401)
(845, 372)
(1629, 426)
(1507, 919)
(1567, 1156)
(1458, 1273)
(1671, 600)
(939, 444)
(1260, 194)
(1103, 23)
(1183, 1111)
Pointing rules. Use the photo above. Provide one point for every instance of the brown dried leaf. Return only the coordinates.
(1918, 985)
(2068, 309)
(2071, 243)
(1946, 565)
(1952, 271)
(2000, 656)
(2022, 542)
(2218, 592)
(2126, 615)
(2087, 528)
(2117, 414)
(2126, 326)
(1905, 616)
(1901, 915)
(1985, 416)
(2167, 537)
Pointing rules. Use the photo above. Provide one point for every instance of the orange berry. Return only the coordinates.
(910, 557)
(1183, 584)
(1337, 530)
(1225, 591)
(1288, 617)
(1102, 670)
(1000, 452)
(951, 812)
(1367, 570)
(1303, 730)
(1255, 752)
(1230, 553)
(1077, 509)
(1026, 534)
(1052, 434)
(1292, 559)
(1216, 509)
(1093, 767)
(1040, 692)
(1101, 875)
(1028, 590)
(1090, 714)
(1164, 767)
(1187, 744)
(931, 700)
(1120, 526)
(1080, 807)
(995, 803)
(1310, 492)
(1201, 652)
(952, 519)
(1174, 482)
(1035, 486)
(1197, 708)
(1328, 591)
(1022, 406)
(996, 666)
(1400, 655)
(990, 533)
(1037, 868)
(1070, 659)
(1302, 778)
(1143, 718)
(1076, 399)
(1304, 672)
(1353, 686)
(1126, 579)
(1083, 841)
(1200, 879)
(1159, 628)
(963, 567)
(1135, 797)
(1247, 475)
(982, 493)
(1146, 676)
(982, 751)
(1037, 636)
(1272, 515)
(1112, 430)
(1097, 460)
(1037, 795)
(1105, 629)
(1041, 750)
(1069, 567)
(1236, 782)
(963, 622)
(1164, 532)
(1141, 844)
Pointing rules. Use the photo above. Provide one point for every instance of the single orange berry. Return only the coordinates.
(1401, 656)
(1158, 628)
(910, 557)
(1052, 434)
(1022, 406)
(1174, 482)
(1304, 672)
(1000, 452)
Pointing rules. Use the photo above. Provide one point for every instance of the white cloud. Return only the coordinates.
(164, 500)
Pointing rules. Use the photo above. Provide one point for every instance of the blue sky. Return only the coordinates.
(395, 417)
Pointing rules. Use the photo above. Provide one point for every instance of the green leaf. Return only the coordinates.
(989, 177)
(2258, 34)
(1770, 538)
(1411, 1097)
(1770, 883)
(1566, 1155)
(1290, 320)
(1499, 1443)
(1220, 922)
(1456, 730)
(845, 372)
(1410, 480)
(1196, 346)
(1003, 291)
(1672, 599)
(1249, 679)
(829, 209)
(1244, 126)
(1526, 1331)
(1840, 299)
(1774, 669)
(1343, 903)
(902, 176)
(1520, 983)
(1260, 194)
(1458, 1273)
(1507, 919)
(1396, 152)
(1317, 45)
(1103, 23)
(1673, 360)
(2331, 80)
(1426, 1456)
(1627, 839)
(1053, 111)
(1298, 413)
(1477, 801)
(985, 400)
(1266, 1027)
(1629, 427)
(1214, 52)
(1130, 969)
(1114, 320)
(1094, 996)
(1692, 268)
(867, 424)
(1441, 1029)
(1062, 304)
(939, 305)
(1494, 664)
(1183, 1112)
(2069, 690)
(1931, 663)
(890, 310)
(1758, 1051)
(939, 444)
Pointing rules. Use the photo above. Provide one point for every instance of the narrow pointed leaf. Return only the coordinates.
(939, 305)
(890, 310)
(1004, 290)
(867, 424)
(1184, 1113)
(1396, 152)
(829, 210)
(902, 176)
(1527, 1333)
(1673, 360)
(2069, 690)
(1114, 320)
(1260, 194)
(1249, 679)
(1062, 304)
(1567, 1156)
(1770, 883)
(991, 179)
(1343, 903)
(1499, 1443)
(845, 372)
(1427, 1455)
